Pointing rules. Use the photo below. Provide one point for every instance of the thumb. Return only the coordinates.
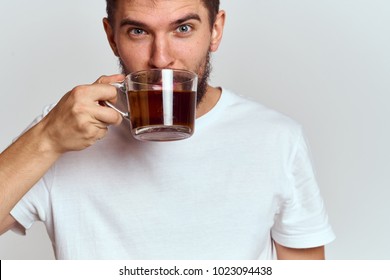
(110, 79)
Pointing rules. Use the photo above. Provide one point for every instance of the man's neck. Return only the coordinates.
(210, 99)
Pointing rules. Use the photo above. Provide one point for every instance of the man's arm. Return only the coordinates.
(24, 162)
(8, 223)
(285, 253)
(21, 166)
(75, 123)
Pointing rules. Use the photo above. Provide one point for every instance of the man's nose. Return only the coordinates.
(161, 54)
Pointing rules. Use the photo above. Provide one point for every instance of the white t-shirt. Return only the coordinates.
(243, 179)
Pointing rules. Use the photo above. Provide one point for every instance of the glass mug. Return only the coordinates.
(161, 103)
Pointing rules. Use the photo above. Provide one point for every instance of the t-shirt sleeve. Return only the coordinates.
(32, 207)
(302, 221)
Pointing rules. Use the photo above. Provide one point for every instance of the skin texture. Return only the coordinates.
(145, 34)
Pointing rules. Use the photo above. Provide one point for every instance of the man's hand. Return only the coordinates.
(75, 123)
(78, 120)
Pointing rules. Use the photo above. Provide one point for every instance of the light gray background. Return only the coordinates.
(324, 63)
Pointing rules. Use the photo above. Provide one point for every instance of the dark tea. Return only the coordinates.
(158, 115)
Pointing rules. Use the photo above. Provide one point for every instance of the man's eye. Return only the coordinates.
(184, 28)
(137, 32)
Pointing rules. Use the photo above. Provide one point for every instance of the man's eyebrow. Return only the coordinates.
(191, 16)
(129, 21)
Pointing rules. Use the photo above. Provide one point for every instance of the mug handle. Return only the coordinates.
(120, 87)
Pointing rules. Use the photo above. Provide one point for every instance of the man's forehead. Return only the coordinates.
(153, 4)
(158, 10)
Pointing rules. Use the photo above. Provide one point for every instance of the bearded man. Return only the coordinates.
(241, 187)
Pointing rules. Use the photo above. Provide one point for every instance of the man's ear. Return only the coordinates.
(110, 36)
(217, 31)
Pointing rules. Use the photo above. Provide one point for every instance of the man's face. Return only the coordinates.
(162, 34)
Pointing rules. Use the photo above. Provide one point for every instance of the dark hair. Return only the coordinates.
(211, 5)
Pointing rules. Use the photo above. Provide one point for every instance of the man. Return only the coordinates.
(239, 188)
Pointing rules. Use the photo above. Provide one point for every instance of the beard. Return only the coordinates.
(203, 71)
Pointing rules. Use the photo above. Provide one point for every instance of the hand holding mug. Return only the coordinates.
(77, 121)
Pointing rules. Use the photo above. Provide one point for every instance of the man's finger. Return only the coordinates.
(110, 79)
(102, 92)
(107, 115)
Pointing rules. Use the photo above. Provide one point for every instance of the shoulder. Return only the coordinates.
(260, 117)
